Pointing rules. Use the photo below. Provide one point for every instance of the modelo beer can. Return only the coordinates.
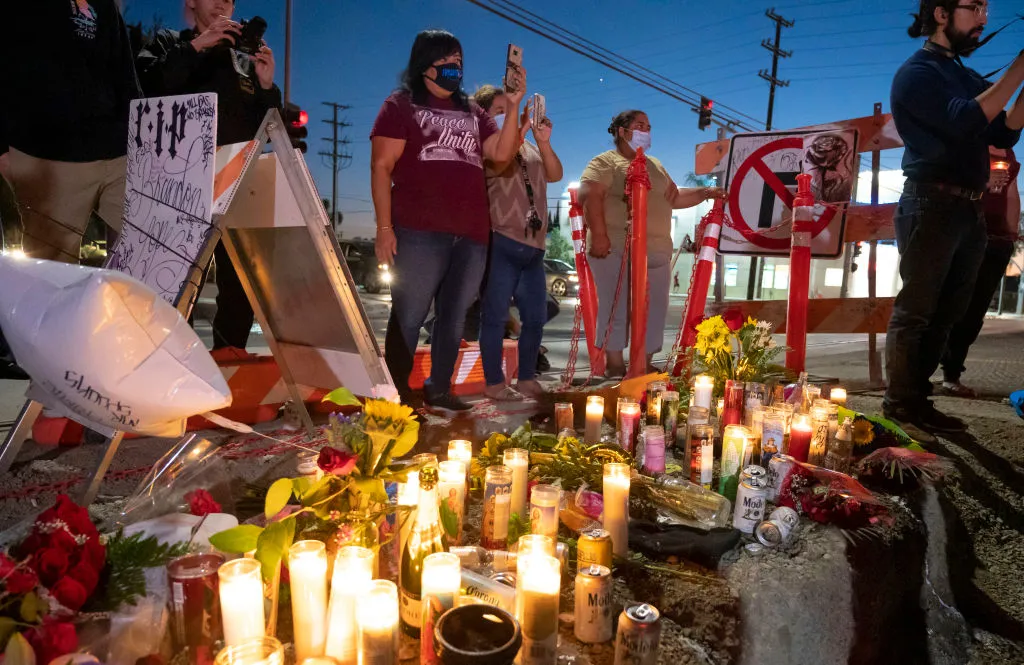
(593, 615)
(638, 636)
(754, 471)
(777, 529)
(778, 468)
(594, 547)
(750, 502)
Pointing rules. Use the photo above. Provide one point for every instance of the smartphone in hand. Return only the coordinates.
(540, 110)
(513, 62)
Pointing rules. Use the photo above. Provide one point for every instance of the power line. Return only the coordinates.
(337, 156)
(587, 52)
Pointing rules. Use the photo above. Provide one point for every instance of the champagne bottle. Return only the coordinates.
(424, 540)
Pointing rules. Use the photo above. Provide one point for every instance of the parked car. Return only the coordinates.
(561, 278)
(362, 263)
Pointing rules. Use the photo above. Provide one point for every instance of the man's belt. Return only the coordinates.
(949, 190)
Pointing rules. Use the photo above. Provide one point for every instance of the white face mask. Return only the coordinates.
(500, 120)
(640, 140)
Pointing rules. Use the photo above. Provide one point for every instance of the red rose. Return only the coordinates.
(95, 553)
(21, 581)
(201, 502)
(733, 318)
(50, 564)
(6, 565)
(337, 462)
(70, 593)
(86, 575)
(64, 540)
(52, 640)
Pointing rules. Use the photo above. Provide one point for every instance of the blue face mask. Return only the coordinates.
(449, 77)
(640, 140)
(500, 120)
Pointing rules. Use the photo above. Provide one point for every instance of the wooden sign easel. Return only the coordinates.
(270, 217)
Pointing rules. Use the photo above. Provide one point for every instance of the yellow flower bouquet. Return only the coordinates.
(727, 348)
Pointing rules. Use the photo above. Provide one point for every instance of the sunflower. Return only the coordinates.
(863, 432)
(385, 420)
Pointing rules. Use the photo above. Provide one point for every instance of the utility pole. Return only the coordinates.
(337, 156)
(754, 284)
(287, 51)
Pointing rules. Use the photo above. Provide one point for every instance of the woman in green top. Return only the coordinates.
(602, 190)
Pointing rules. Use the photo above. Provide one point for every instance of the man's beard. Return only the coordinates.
(962, 43)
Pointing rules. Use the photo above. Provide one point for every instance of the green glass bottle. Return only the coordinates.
(425, 539)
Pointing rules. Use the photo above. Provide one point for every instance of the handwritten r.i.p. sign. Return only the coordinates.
(167, 218)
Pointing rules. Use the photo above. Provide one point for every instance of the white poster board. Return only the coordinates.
(761, 180)
(168, 208)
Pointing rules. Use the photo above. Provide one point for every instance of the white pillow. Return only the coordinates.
(104, 350)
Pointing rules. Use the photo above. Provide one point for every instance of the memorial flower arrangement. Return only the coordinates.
(347, 506)
(830, 497)
(727, 348)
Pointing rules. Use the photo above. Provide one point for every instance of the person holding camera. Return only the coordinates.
(948, 116)
(231, 59)
(68, 78)
(517, 191)
(603, 195)
(427, 152)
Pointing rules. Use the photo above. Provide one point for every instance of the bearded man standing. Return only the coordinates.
(947, 116)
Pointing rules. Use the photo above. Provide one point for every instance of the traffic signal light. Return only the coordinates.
(295, 120)
(704, 120)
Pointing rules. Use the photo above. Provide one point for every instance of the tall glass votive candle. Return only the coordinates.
(241, 601)
(518, 460)
(377, 616)
(616, 506)
(307, 567)
(353, 571)
(595, 416)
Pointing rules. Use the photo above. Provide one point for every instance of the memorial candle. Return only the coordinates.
(461, 450)
(440, 592)
(544, 500)
(595, 415)
(627, 424)
(703, 387)
(409, 498)
(241, 601)
(564, 417)
(377, 615)
(307, 567)
(518, 459)
(451, 496)
(353, 571)
(838, 396)
(616, 506)
(800, 437)
(540, 590)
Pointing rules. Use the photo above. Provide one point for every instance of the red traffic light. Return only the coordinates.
(301, 120)
(711, 104)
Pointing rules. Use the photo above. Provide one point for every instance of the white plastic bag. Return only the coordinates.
(104, 350)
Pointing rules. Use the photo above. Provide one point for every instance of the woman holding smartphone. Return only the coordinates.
(602, 192)
(428, 147)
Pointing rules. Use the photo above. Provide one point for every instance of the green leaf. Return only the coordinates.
(342, 397)
(373, 487)
(277, 497)
(300, 486)
(32, 607)
(237, 540)
(320, 490)
(7, 628)
(272, 545)
(19, 651)
(522, 437)
(128, 557)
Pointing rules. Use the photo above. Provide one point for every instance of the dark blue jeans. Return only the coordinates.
(438, 268)
(941, 241)
(515, 272)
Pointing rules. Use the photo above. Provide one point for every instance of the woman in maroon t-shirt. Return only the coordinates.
(428, 146)
(1002, 216)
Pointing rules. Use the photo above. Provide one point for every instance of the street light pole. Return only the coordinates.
(287, 51)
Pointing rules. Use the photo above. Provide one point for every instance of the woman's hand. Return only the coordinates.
(715, 193)
(519, 80)
(264, 62)
(222, 29)
(386, 245)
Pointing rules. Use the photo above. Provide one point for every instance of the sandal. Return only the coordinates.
(531, 389)
(957, 389)
(504, 394)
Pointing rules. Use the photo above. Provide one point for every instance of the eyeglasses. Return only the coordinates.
(979, 10)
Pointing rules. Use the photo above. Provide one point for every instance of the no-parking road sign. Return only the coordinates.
(761, 179)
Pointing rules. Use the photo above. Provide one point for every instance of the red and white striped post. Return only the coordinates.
(697, 298)
(799, 275)
(638, 182)
(587, 291)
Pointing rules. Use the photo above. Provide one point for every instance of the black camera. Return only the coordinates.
(250, 40)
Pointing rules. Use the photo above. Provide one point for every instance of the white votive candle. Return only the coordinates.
(838, 396)
(539, 620)
(377, 615)
(544, 500)
(703, 388)
(241, 601)
(307, 567)
(616, 506)
(353, 570)
(518, 459)
(461, 450)
(595, 416)
(442, 578)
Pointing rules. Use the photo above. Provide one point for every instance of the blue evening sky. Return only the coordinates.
(844, 55)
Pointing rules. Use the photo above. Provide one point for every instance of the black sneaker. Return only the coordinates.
(913, 426)
(445, 403)
(936, 421)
